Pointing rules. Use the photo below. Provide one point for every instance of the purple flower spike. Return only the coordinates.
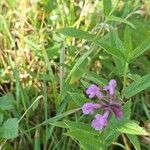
(100, 121)
(93, 91)
(90, 107)
(111, 87)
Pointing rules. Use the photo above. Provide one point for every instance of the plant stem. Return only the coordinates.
(125, 80)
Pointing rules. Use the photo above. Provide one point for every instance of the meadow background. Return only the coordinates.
(51, 51)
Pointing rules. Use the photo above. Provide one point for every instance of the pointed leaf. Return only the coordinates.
(112, 50)
(140, 49)
(87, 140)
(73, 32)
(127, 41)
(135, 141)
(78, 98)
(138, 86)
(118, 19)
(131, 127)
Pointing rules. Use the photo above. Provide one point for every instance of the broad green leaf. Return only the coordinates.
(127, 109)
(116, 42)
(107, 6)
(117, 19)
(135, 141)
(6, 102)
(81, 126)
(127, 41)
(92, 76)
(131, 127)
(86, 139)
(140, 49)
(73, 32)
(138, 86)
(111, 50)
(78, 98)
(77, 74)
(9, 129)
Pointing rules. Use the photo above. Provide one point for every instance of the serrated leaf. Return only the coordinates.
(6, 102)
(127, 41)
(135, 141)
(9, 129)
(85, 141)
(73, 32)
(140, 49)
(81, 126)
(138, 86)
(78, 98)
(131, 127)
(95, 78)
(112, 50)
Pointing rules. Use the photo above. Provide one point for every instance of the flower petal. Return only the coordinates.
(111, 87)
(94, 91)
(100, 121)
(89, 108)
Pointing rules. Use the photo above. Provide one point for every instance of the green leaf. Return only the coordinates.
(111, 50)
(127, 41)
(59, 124)
(77, 74)
(78, 98)
(117, 19)
(92, 76)
(135, 141)
(107, 6)
(81, 126)
(116, 42)
(9, 129)
(87, 140)
(140, 49)
(138, 86)
(73, 32)
(127, 109)
(6, 102)
(78, 63)
(131, 127)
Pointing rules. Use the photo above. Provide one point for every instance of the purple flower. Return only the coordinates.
(106, 103)
(89, 107)
(117, 110)
(100, 121)
(93, 91)
(111, 87)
